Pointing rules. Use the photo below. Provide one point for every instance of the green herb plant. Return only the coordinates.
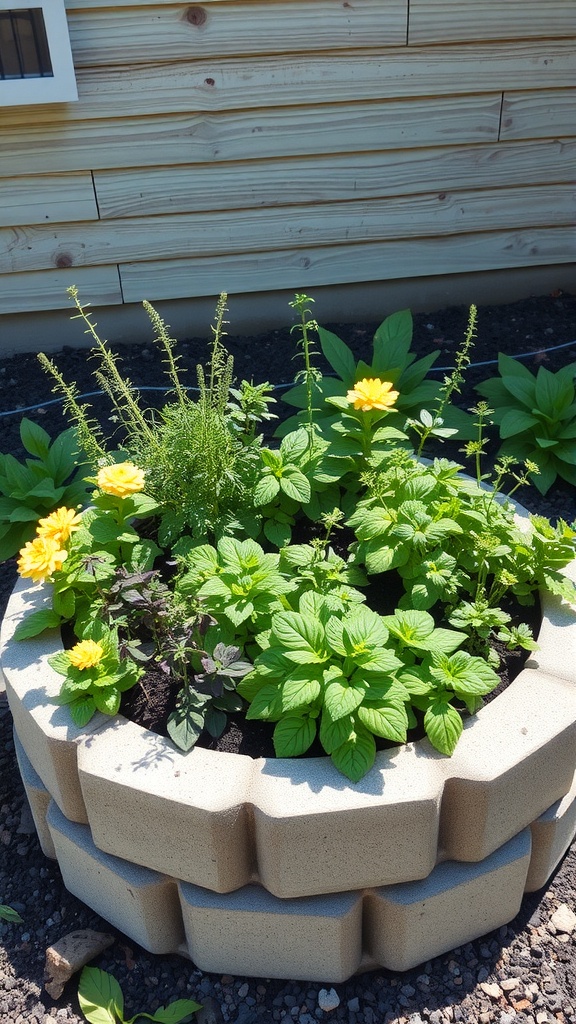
(34, 488)
(536, 416)
(102, 1002)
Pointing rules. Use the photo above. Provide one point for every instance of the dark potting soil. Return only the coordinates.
(524, 972)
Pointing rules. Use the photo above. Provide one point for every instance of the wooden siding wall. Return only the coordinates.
(249, 145)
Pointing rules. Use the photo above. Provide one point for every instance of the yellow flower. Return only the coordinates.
(372, 393)
(40, 557)
(59, 524)
(86, 654)
(122, 479)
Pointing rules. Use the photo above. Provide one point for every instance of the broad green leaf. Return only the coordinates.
(107, 699)
(334, 733)
(266, 489)
(278, 533)
(339, 356)
(64, 603)
(342, 699)
(464, 674)
(34, 438)
(184, 725)
(82, 710)
(100, 996)
(389, 721)
(356, 756)
(412, 627)
(22, 514)
(174, 1013)
(364, 629)
(294, 445)
(297, 632)
(60, 662)
(392, 341)
(295, 485)
(443, 726)
(515, 421)
(267, 704)
(36, 623)
(522, 390)
(270, 458)
(299, 690)
(293, 735)
(551, 395)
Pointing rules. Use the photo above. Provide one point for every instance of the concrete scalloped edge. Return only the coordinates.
(282, 868)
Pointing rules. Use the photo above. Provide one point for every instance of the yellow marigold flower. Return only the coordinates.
(86, 654)
(372, 393)
(59, 524)
(122, 479)
(40, 557)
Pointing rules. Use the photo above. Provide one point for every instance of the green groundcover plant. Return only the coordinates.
(333, 583)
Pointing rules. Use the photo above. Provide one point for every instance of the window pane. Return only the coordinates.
(24, 49)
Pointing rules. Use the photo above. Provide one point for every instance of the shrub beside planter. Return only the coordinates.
(282, 868)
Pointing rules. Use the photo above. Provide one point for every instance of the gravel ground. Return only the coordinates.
(524, 973)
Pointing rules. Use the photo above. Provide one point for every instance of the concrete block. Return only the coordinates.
(143, 904)
(38, 798)
(315, 832)
(513, 755)
(552, 834)
(250, 932)
(182, 814)
(412, 922)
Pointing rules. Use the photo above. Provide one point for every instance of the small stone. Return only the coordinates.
(507, 1018)
(69, 954)
(353, 1004)
(509, 984)
(491, 989)
(564, 919)
(328, 999)
(209, 1013)
(243, 991)
(542, 1018)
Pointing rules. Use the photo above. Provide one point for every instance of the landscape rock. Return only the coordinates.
(328, 999)
(69, 954)
(564, 919)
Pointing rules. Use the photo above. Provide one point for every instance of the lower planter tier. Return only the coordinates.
(317, 938)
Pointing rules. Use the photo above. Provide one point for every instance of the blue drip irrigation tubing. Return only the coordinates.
(283, 387)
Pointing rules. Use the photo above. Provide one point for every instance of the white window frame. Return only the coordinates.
(61, 88)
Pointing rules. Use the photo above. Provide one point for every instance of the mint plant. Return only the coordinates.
(536, 416)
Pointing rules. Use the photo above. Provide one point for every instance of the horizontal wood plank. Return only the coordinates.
(216, 85)
(151, 191)
(346, 264)
(442, 21)
(210, 234)
(140, 35)
(36, 199)
(26, 293)
(533, 115)
(213, 138)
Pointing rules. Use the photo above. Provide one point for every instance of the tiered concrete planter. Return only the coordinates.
(282, 868)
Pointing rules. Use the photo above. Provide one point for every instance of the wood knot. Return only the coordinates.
(196, 15)
(209, 81)
(63, 260)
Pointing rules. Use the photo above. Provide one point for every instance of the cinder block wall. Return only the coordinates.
(255, 145)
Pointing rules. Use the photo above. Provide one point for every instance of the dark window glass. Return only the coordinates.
(24, 49)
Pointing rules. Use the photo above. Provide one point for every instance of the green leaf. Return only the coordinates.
(339, 356)
(515, 421)
(22, 514)
(464, 674)
(294, 445)
(100, 996)
(266, 489)
(443, 726)
(36, 623)
(341, 698)
(295, 485)
(10, 915)
(184, 725)
(389, 721)
(64, 603)
(82, 710)
(356, 756)
(299, 690)
(174, 1013)
(34, 438)
(277, 533)
(107, 699)
(266, 704)
(392, 341)
(550, 393)
(293, 735)
(296, 632)
(334, 733)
